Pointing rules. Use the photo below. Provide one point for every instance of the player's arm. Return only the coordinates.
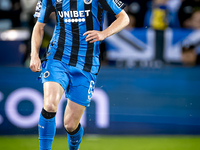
(122, 20)
(36, 40)
(43, 10)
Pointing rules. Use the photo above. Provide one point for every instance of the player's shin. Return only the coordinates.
(46, 129)
(74, 138)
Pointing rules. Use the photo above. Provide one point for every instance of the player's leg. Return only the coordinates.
(79, 95)
(73, 113)
(55, 79)
(47, 126)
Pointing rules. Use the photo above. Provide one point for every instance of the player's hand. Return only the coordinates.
(35, 64)
(94, 35)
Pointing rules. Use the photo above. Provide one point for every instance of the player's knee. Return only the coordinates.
(69, 126)
(50, 107)
(51, 103)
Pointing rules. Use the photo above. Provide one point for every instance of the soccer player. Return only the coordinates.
(72, 60)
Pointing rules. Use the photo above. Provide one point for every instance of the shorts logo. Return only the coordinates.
(46, 74)
(91, 90)
(87, 1)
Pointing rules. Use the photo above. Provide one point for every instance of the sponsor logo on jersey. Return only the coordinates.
(119, 3)
(87, 1)
(74, 16)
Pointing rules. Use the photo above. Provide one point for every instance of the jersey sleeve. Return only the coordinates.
(112, 6)
(43, 10)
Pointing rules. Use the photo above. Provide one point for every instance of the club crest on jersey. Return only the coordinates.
(87, 1)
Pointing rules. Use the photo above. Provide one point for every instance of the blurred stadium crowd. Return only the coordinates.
(155, 14)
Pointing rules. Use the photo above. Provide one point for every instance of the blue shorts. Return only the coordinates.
(78, 84)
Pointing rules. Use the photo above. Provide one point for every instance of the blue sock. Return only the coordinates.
(47, 130)
(74, 140)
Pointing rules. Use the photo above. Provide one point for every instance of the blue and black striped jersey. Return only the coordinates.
(74, 18)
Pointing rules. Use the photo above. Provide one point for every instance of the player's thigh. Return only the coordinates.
(55, 80)
(53, 92)
(79, 97)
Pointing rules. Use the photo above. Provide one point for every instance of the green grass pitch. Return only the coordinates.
(91, 142)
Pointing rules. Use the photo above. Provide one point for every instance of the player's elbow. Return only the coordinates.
(126, 20)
